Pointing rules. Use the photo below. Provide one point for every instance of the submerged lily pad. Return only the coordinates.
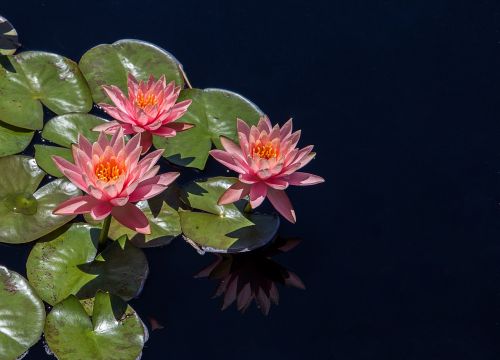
(223, 228)
(9, 41)
(66, 264)
(22, 315)
(114, 332)
(214, 113)
(41, 78)
(63, 130)
(26, 212)
(109, 64)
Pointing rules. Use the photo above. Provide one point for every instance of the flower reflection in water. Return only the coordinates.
(252, 276)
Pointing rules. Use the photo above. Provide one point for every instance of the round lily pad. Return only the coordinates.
(66, 264)
(163, 218)
(13, 140)
(41, 78)
(26, 212)
(9, 41)
(223, 228)
(214, 113)
(109, 64)
(114, 332)
(64, 130)
(22, 315)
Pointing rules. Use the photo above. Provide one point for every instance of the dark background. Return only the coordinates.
(401, 245)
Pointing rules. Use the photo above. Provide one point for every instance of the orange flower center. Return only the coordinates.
(266, 151)
(109, 170)
(143, 100)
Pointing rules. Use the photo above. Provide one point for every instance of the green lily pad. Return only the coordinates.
(223, 228)
(41, 78)
(22, 315)
(163, 218)
(13, 140)
(66, 264)
(26, 212)
(63, 130)
(214, 113)
(114, 332)
(109, 65)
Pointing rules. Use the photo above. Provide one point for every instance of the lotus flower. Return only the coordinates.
(267, 161)
(150, 109)
(114, 178)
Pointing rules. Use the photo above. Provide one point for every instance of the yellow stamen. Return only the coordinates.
(266, 151)
(143, 100)
(109, 170)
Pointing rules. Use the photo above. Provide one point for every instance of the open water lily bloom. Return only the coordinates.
(267, 161)
(114, 177)
(150, 109)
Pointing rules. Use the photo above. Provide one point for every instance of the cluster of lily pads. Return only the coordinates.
(92, 201)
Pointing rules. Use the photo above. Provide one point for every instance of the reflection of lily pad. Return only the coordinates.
(214, 113)
(26, 212)
(223, 228)
(114, 332)
(66, 264)
(41, 78)
(22, 315)
(109, 65)
(63, 130)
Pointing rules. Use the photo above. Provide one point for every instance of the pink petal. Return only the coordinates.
(286, 130)
(165, 131)
(116, 96)
(180, 126)
(119, 201)
(282, 204)
(85, 145)
(243, 127)
(153, 186)
(101, 210)
(231, 147)
(258, 193)
(146, 141)
(234, 193)
(277, 183)
(133, 218)
(76, 205)
(265, 124)
(304, 179)
(227, 160)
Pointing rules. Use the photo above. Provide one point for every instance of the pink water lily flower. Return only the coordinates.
(113, 177)
(150, 109)
(267, 161)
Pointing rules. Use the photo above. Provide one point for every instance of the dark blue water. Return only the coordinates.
(400, 247)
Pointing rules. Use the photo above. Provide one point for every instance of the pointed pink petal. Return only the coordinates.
(133, 144)
(146, 141)
(76, 205)
(63, 164)
(180, 126)
(119, 201)
(265, 124)
(116, 96)
(227, 160)
(258, 193)
(236, 192)
(243, 127)
(165, 131)
(153, 186)
(85, 145)
(286, 130)
(248, 178)
(231, 147)
(282, 204)
(304, 179)
(276, 183)
(101, 210)
(133, 218)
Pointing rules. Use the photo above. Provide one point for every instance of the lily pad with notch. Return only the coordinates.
(40, 78)
(67, 263)
(25, 210)
(22, 315)
(109, 64)
(64, 131)
(223, 228)
(214, 113)
(113, 332)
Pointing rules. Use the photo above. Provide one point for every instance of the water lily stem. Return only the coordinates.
(103, 236)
